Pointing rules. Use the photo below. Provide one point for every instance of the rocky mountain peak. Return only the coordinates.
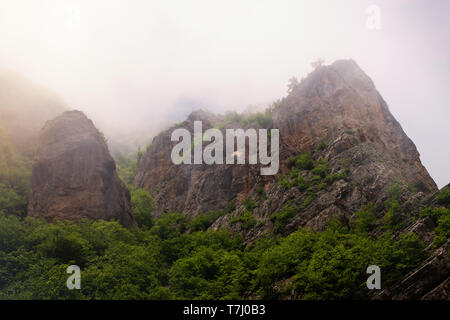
(339, 103)
(338, 75)
(74, 176)
(337, 117)
(202, 115)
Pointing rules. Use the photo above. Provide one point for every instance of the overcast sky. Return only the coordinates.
(136, 64)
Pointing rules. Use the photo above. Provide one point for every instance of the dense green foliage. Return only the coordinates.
(142, 207)
(204, 220)
(443, 197)
(247, 220)
(393, 217)
(331, 264)
(126, 167)
(441, 217)
(365, 219)
(263, 119)
(176, 257)
(283, 217)
(442, 230)
(165, 261)
(15, 175)
(307, 174)
(304, 161)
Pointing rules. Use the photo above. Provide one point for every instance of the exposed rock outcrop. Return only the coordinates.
(338, 105)
(74, 175)
(190, 188)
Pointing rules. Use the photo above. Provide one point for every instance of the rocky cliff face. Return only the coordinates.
(191, 188)
(431, 279)
(335, 113)
(340, 104)
(74, 175)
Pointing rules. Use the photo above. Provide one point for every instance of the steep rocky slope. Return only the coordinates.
(74, 175)
(337, 115)
(341, 151)
(190, 188)
(431, 279)
(339, 103)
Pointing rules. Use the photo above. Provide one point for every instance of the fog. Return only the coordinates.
(135, 66)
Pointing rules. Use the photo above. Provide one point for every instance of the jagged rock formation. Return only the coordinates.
(74, 175)
(337, 114)
(338, 105)
(190, 188)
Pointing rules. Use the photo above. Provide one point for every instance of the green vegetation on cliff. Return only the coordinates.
(177, 257)
(165, 261)
(15, 175)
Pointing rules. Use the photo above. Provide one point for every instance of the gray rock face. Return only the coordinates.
(74, 175)
(190, 188)
(338, 104)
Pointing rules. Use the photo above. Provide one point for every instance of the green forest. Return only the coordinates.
(164, 260)
(175, 257)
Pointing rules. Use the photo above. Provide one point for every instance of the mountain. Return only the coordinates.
(350, 193)
(74, 176)
(342, 156)
(336, 120)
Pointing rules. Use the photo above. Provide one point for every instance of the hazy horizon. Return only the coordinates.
(136, 67)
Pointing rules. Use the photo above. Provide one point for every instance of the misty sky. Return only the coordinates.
(134, 65)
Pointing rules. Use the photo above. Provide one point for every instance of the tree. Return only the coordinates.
(292, 84)
(319, 62)
(142, 207)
